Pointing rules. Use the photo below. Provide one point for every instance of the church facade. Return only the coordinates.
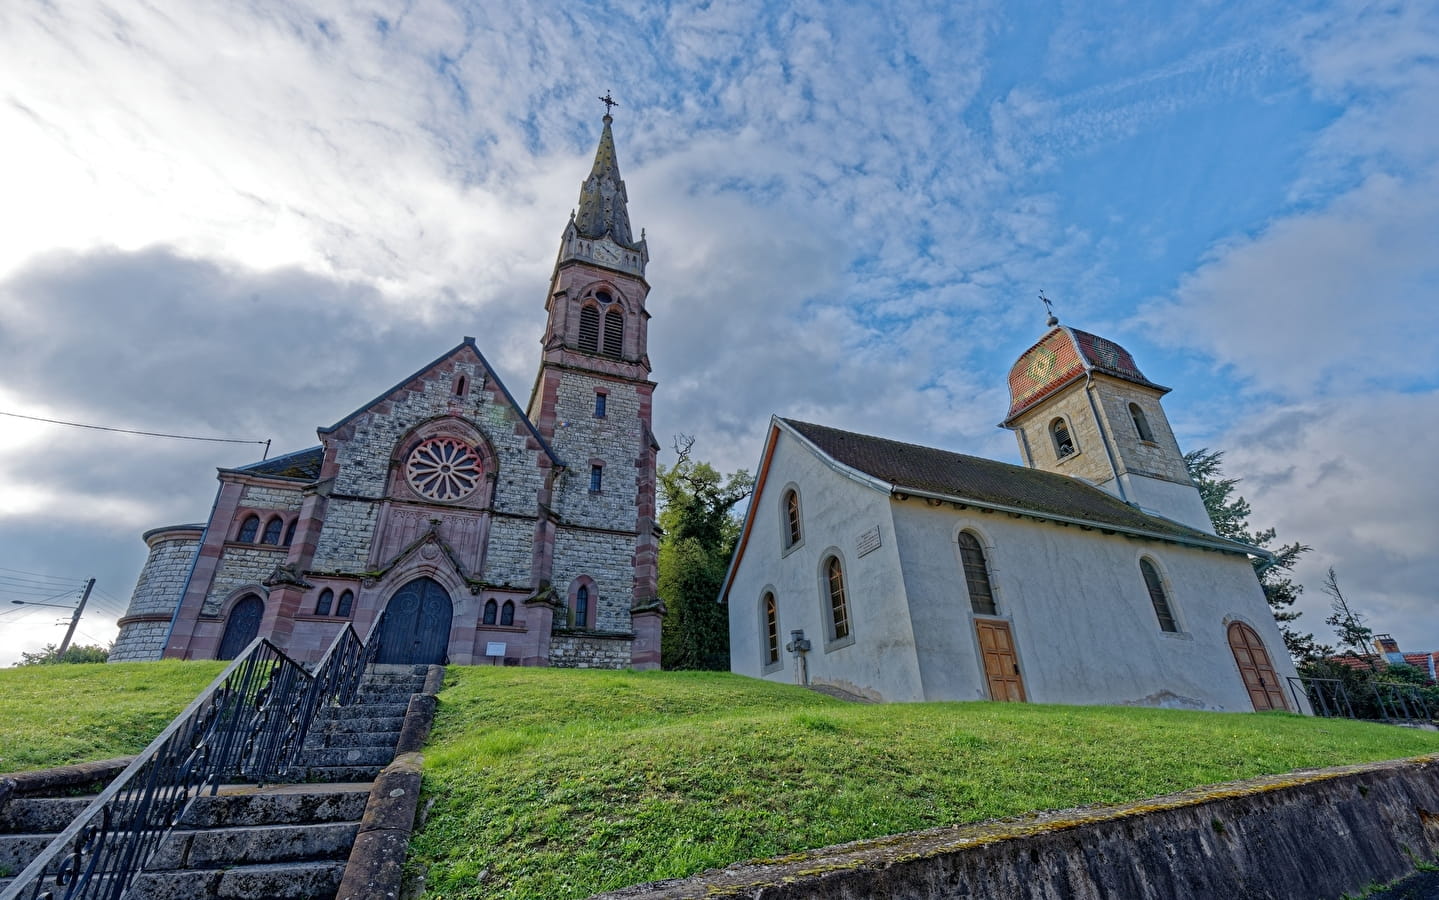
(1089, 575)
(443, 517)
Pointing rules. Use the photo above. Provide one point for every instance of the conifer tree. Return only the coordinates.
(700, 531)
(1230, 515)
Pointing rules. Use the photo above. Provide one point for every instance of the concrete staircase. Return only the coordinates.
(252, 842)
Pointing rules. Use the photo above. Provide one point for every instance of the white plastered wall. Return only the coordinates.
(836, 510)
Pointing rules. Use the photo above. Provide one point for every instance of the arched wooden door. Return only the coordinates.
(1260, 679)
(415, 627)
(241, 626)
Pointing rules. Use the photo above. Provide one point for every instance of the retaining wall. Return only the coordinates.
(1305, 836)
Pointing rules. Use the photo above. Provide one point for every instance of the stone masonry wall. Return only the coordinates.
(581, 436)
(573, 651)
(1090, 462)
(240, 566)
(157, 593)
(1160, 459)
(606, 558)
(258, 497)
(349, 529)
(510, 552)
(140, 642)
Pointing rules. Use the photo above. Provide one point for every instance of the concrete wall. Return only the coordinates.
(1315, 836)
(880, 662)
(1082, 619)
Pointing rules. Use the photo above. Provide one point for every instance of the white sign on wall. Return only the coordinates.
(867, 542)
(495, 648)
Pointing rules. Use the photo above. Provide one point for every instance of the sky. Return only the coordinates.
(245, 220)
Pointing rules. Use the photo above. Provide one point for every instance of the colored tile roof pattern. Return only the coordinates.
(1061, 356)
(988, 482)
(303, 464)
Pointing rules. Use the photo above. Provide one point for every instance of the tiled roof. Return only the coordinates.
(300, 464)
(987, 482)
(1063, 355)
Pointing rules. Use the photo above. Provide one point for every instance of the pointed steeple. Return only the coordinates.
(603, 216)
(603, 209)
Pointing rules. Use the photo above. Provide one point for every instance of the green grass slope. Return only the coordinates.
(55, 715)
(560, 783)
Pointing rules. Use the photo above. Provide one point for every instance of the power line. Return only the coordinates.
(160, 434)
(37, 574)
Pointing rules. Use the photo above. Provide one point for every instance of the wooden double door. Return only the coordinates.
(415, 627)
(1001, 661)
(1255, 667)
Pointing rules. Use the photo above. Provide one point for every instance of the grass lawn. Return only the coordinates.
(54, 715)
(560, 783)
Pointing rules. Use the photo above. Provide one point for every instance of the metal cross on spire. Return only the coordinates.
(609, 102)
(1049, 308)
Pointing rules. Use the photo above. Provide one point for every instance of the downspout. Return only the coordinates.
(1103, 435)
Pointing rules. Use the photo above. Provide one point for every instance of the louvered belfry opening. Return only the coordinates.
(614, 333)
(590, 329)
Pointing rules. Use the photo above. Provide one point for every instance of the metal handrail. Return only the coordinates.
(251, 722)
(1393, 701)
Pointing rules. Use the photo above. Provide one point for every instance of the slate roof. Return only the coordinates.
(992, 483)
(303, 464)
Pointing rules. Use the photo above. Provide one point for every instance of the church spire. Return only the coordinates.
(599, 230)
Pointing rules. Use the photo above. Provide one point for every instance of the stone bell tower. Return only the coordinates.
(1079, 406)
(592, 403)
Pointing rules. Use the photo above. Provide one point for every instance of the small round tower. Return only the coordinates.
(157, 593)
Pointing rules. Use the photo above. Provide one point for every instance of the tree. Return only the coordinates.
(1348, 624)
(75, 653)
(1230, 515)
(700, 531)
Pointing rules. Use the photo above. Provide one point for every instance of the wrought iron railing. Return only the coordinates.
(1392, 701)
(250, 724)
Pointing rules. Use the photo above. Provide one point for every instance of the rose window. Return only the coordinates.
(444, 469)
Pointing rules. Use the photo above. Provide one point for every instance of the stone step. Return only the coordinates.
(253, 845)
(349, 756)
(16, 850)
(321, 740)
(372, 698)
(358, 725)
(37, 815)
(363, 711)
(340, 774)
(294, 804)
(380, 669)
(282, 881)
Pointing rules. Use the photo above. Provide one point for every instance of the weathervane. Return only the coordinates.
(1049, 308)
(609, 102)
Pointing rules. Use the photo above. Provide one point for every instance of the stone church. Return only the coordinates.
(1090, 574)
(443, 517)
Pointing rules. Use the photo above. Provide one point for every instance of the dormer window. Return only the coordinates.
(1141, 423)
(1063, 442)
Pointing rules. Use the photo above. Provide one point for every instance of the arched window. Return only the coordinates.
(322, 605)
(507, 613)
(771, 630)
(615, 332)
(492, 612)
(976, 574)
(273, 529)
(1141, 423)
(290, 532)
(1063, 442)
(792, 531)
(582, 607)
(1155, 584)
(589, 329)
(838, 602)
(347, 604)
(460, 385)
(249, 530)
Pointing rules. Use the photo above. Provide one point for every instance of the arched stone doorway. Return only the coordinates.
(415, 627)
(241, 626)
(1260, 679)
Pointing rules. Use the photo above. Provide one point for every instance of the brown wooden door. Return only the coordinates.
(1001, 664)
(1260, 679)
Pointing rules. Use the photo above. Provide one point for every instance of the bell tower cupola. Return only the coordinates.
(1079, 406)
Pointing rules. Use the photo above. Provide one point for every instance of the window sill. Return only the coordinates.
(1061, 460)
(517, 629)
(791, 548)
(771, 668)
(839, 643)
(1177, 635)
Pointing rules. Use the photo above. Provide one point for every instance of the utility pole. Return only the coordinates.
(75, 619)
